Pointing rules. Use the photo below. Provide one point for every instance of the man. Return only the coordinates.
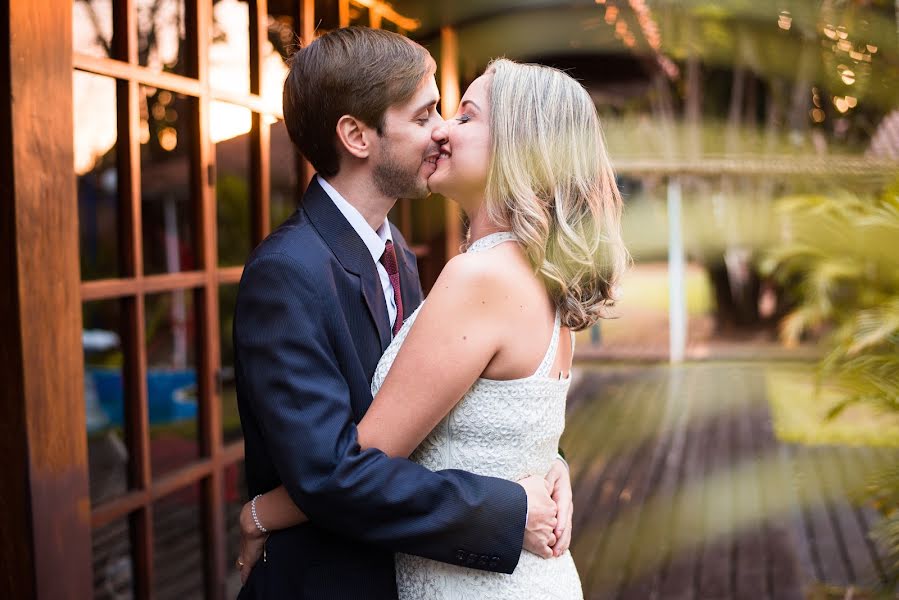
(318, 303)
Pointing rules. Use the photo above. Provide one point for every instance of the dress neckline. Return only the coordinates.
(489, 241)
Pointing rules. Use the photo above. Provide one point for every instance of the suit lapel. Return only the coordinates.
(351, 252)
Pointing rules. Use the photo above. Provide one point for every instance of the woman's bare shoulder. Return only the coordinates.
(492, 273)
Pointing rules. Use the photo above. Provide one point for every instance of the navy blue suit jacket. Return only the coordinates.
(309, 328)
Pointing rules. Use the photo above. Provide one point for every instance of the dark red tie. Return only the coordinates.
(388, 259)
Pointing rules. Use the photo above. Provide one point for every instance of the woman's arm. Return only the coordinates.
(433, 370)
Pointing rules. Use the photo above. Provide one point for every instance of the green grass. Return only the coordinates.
(800, 412)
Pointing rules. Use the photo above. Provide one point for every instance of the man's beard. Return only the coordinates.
(396, 181)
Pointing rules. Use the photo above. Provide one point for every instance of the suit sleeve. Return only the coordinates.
(301, 401)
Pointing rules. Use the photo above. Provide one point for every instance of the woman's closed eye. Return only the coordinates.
(463, 118)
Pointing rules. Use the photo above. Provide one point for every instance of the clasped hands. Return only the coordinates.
(550, 510)
(547, 534)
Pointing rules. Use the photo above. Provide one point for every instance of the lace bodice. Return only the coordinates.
(508, 429)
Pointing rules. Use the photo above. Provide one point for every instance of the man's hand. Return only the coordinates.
(559, 479)
(538, 535)
(252, 544)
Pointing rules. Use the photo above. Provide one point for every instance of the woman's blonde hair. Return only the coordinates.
(551, 183)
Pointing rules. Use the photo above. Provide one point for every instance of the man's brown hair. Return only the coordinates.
(353, 71)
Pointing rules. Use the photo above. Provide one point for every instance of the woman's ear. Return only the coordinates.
(353, 135)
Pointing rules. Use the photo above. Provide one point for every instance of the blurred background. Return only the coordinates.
(733, 430)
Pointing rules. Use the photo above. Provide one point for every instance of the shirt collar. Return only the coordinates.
(374, 240)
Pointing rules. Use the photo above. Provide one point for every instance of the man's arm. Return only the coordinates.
(301, 401)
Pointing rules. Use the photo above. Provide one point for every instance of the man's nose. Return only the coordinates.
(439, 133)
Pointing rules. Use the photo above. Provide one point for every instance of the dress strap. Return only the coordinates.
(489, 241)
(543, 369)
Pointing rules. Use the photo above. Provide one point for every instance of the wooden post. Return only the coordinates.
(677, 302)
(45, 533)
(450, 97)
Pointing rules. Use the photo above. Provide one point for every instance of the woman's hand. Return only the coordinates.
(252, 543)
(559, 478)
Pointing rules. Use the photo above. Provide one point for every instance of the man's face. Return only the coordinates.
(406, 155)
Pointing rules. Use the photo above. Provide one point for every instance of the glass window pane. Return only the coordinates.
(94, 101)
(230, 417)
(284, 163)
(166, 182)
(232, 182)
(172, 380)
(229, 47)
(178, 545)
(235, 497)
(92, 27)
(104, 399)
(161, 35)
(113, 579)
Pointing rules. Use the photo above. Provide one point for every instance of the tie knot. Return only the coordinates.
(388, 259)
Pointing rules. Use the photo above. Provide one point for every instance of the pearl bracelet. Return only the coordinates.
(255, 516)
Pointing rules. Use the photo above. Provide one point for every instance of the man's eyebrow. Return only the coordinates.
(472, 102)
(427, 105)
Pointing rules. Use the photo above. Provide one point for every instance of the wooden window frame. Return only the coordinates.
(214, 457)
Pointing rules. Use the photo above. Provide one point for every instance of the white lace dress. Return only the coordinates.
(507, 429)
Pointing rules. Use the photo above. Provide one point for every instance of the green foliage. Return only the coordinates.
(842, 265)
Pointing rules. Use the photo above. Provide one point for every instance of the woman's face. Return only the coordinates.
(461, 172)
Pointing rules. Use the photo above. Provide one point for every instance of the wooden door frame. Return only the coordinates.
(45, 505)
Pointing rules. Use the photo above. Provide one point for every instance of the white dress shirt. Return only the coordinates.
(375, 241)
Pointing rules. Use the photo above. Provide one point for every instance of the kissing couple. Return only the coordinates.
(397, 448)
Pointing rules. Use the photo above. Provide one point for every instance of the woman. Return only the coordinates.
(525, 159)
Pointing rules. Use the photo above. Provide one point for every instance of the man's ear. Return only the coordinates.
(354, 136)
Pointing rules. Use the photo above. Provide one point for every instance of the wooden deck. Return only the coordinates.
(682, 491)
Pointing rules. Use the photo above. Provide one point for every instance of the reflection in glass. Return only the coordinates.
(178, 545)
(104, 399)
(230, 417)
(171, 379)
(232, 194)
(229, 48)
(92, 27)
(166, 190)
(229, 52)
(161, 35)
(235, 496)
(284, 158)
(113, 579)
(94, 101)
